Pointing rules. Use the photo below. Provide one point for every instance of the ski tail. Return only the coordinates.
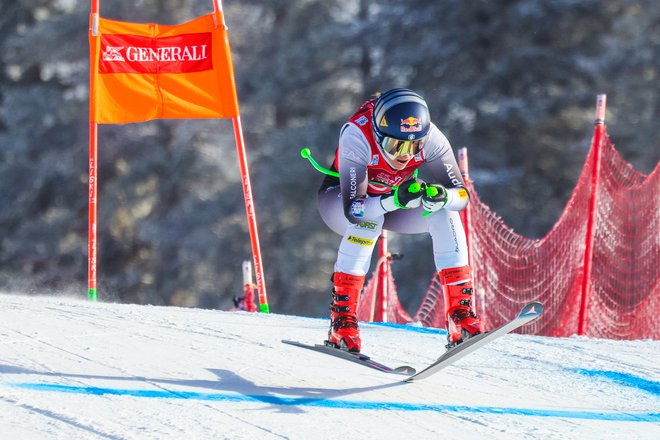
(358, 358)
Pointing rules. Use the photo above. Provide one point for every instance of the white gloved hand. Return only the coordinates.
(435, 197)
(408, 195)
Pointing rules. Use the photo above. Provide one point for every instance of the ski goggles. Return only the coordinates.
(397, 147)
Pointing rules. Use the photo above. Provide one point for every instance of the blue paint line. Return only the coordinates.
(406, 327)
(624, 379)
(410, 328)
(343, 404)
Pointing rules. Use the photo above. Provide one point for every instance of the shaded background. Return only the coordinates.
(514, 81)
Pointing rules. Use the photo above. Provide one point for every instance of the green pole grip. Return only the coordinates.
(263, 308)
(305, 153)
(91, 294)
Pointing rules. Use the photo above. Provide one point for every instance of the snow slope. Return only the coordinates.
(72, 369)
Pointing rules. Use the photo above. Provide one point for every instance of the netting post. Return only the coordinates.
(382, 293)
(466, 218)
(596, 144)
(465, 214)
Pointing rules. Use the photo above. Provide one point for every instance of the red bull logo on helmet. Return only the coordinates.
(411, 124)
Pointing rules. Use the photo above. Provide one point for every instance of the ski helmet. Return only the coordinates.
(401, 122)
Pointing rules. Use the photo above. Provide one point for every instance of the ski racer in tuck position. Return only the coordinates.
(380, 148)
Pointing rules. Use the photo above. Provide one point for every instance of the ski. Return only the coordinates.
(358, 358)
(528, 313)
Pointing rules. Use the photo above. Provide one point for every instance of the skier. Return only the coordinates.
(380, 148)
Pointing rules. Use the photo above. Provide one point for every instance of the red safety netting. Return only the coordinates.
(372, 304)
(509, 270)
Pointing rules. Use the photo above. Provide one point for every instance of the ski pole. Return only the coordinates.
(305, 153)
(431, 191)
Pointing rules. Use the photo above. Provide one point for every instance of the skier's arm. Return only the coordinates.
(449, 187)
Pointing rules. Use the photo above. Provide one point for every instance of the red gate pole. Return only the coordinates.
(596, 144)
(92, 243)
(251, 216)
(249, 201)
(92, 225)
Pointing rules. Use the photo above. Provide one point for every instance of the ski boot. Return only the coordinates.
(344, 332)
(462, 322)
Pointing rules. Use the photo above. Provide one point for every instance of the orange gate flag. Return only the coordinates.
(140, 72)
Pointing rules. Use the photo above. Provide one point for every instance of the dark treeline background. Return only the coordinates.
(514, 81)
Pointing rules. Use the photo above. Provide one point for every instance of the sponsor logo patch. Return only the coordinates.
(360, 241)
(462, 193)
(357, 208)
(361, 121)
(367, 225)
(411, 124)
(388, 179)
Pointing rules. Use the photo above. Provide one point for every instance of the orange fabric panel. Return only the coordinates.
(140, 72)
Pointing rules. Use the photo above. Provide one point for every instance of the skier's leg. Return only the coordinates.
(351, 266)
(451, 261)
(358, 240)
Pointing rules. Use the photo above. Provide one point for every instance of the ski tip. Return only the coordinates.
(532, 309)
(290, 342)
(405, 370)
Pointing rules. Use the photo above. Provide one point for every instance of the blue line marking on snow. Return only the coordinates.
(407, 327)
(410, 328)
(343, 404)
(625, 379)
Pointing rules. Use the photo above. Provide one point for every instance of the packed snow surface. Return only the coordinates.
(74, 369)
